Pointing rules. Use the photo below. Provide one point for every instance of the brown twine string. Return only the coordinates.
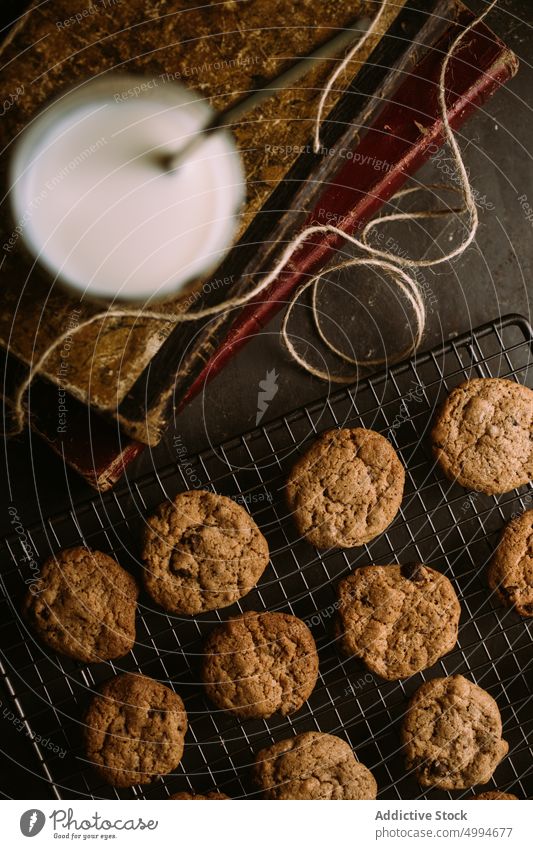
(342, 67)
(392, 264)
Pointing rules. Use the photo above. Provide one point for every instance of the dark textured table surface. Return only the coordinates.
(493, 278)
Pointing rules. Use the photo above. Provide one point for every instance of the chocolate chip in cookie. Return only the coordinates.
(201, 552)
(258, 664)
(83, 605)
(312, 766)
(413, 571)
(346, 489)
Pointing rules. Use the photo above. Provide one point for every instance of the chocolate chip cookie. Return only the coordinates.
(397, 619)
(312, 766)
(201, 552)
(83, 605)
(452, 734)
(260, 663)
(134, 730)
(346, 489)
(510, 572)
(197, 797)
(496, 794)
(483, 435)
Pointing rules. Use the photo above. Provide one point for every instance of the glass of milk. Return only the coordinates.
(97, 206)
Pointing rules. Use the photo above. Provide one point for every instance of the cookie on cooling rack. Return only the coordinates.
(495, 794)
(397, 619)
(201, 552)
(260, 663)
(197, 797)
(312, 766)
(483, 435)
(83, 605)
(346, 489)
(510, 572)
(134, 730)
(452, 733)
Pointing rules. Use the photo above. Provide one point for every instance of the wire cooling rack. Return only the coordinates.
(439, 523)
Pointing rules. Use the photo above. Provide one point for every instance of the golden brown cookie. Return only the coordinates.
(346, 489)
(197, 797)
(83, 605)
(312, 766)
(510, 572)
(483, 435)
(495, 794)
(134, 730)
(260, 663)
(202, 551)
(397, 619)
(452, 733)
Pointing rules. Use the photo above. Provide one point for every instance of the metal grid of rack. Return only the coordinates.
(439, 523)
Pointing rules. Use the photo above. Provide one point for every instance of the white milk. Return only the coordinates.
(95, 205)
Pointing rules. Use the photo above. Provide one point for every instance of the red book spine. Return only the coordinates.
(405, 134)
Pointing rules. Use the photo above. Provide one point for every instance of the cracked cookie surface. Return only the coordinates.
(260, 663)
(83, 605)
(510, 572)
(346, 489)
(397, 619)
(201, 552)
(452, 733)
(134, 730)
(483, 435)
(312, 766)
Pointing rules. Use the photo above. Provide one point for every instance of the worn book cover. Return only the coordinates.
(220, 50)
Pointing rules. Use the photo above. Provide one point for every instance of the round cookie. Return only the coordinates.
(260, 663)
(452, 733)
(510, 572)
(495, 794)
(134, 730)
(201, 552)
(197, 797)
(346, 489)
(83, 605)
(483, 435)
(397, 619)
(312, 766)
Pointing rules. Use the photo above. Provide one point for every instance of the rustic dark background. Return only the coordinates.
(493, 278)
